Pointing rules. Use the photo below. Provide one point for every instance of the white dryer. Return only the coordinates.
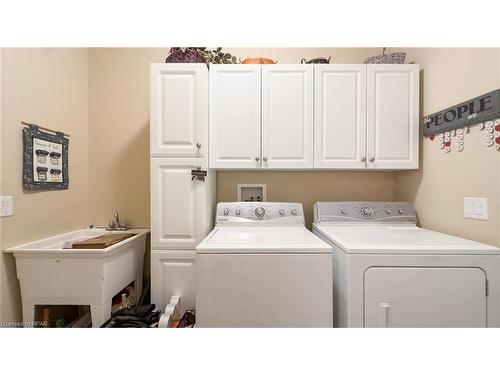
(260, 267)
(388, 272)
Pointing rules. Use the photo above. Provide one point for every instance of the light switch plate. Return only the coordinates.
(6, 206)
(476, 208)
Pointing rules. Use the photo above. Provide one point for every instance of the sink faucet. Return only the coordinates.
(115, 223)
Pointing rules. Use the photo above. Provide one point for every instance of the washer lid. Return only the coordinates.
(404, 239)
(262, 240)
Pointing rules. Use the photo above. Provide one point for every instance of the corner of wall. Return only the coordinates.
(1, 247)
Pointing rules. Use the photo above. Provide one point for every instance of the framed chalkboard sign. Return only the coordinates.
(45, 164)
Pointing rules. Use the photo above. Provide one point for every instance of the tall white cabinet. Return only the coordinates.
(181, 207)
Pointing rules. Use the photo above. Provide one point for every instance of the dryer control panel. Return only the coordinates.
(259, 213)
(363, 212)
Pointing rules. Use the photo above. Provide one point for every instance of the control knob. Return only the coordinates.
(366, 211)
(343, 211)
(294, 211)
(260, 212)
(237, 212)
(226, 211)
(401, 211)
(388, 211)
(282, 212)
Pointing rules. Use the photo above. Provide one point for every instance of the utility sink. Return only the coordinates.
(50, 274)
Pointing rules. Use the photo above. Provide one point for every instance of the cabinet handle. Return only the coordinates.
(372, 159)
(363, 158)
(382, 314)
(198, 145)
(257, 158)
(264, 158)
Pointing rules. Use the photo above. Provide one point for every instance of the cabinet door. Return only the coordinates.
(235, 116)
(424, 297)
(178, 204)
(179, 110)
(287, 116)
(340, 116)
(392, 121)
(173, 274)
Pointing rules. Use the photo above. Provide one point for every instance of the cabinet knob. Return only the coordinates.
(264, 158)
(198, 145)
(372, 159)
(257, 158)
(363, 158)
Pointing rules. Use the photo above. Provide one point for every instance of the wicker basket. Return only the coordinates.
(390, 58)
(185, 56)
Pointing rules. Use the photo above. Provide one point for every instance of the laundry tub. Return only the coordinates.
(50, 274)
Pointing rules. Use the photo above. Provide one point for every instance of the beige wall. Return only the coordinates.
(450, 76)
(310, 187)
(119, 130)
(294, 55)
(48, 87)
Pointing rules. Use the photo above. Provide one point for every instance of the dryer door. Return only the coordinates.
(424, 297)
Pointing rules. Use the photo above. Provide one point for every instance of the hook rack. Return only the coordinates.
(23, 123)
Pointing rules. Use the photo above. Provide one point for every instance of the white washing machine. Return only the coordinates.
(260, 267)
(388, 272)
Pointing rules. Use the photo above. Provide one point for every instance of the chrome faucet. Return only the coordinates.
(115, 223)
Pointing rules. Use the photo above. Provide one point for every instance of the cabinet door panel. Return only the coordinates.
(179, 110)
(340, 116)
(235, 116)
(392, 122)
(173, 274)
(424, 297)
(287, 116)
(178, 206)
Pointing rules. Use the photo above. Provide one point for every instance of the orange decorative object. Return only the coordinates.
(258, 60)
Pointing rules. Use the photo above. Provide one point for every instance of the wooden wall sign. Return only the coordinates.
(483, 108)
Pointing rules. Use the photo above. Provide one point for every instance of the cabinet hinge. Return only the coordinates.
(486, 287)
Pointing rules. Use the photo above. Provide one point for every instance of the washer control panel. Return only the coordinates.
(259, 213)
(341, 212)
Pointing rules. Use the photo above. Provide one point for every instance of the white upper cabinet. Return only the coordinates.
(300, 116)
(340, 116)
(179, 110)
(393, 116)
(235, 95)
(287, 116)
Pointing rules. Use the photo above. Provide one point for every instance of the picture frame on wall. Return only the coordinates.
(45, 165)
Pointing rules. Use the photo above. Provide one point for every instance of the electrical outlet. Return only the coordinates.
(476, 208)
(6, 206)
